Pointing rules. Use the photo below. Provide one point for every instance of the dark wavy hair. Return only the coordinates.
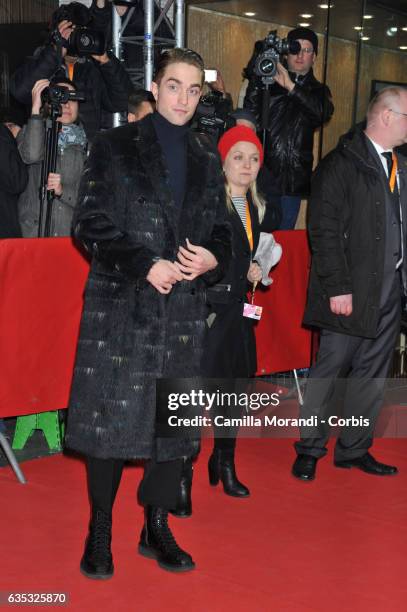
(76, 12)
(178, 56)
(137, 97)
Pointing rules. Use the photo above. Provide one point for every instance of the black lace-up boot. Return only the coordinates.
(157, 542)
(97, 561)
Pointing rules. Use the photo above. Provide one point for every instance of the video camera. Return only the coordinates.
(83, 40)
(55, 95)
(271, 50)
(212, 115)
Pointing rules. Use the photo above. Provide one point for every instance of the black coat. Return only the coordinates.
(230, 349)
(13, 181)
(347, 229)
(291, 121)
(270, 192)
(130, 334)
(105, 87)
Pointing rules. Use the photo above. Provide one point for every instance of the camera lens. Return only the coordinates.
(85, 40)
(267, 67)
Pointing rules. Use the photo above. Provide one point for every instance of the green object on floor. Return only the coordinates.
(48, 422)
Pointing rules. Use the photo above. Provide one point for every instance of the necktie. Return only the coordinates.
(392, 168)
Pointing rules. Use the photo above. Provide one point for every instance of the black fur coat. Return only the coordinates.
(131, 334)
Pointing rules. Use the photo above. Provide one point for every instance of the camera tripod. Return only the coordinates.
(49, 164)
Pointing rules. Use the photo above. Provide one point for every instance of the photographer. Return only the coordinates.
(100, 78)
(71, 157)
(214, 108)
(298, 105)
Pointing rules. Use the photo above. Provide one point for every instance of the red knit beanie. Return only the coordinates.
(240, 133)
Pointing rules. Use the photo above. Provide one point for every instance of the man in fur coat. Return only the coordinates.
(151, 213)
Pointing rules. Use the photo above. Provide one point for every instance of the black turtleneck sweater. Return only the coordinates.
(173, 142)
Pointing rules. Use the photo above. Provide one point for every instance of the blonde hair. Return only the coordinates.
(257, 200)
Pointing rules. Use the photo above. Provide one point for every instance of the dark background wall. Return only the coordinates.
(23, 25)
(26, 11)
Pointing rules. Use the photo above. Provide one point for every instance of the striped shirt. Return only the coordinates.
(239, 202)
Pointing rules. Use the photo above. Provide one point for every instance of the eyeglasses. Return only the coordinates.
(306, 50)
(397, 112)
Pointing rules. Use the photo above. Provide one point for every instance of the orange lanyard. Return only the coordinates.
(70, 70)
(249, 230)
(392, 180)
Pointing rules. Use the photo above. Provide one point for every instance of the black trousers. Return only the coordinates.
(160, 485)
(364, 364)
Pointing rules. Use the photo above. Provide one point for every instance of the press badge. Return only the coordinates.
(252, 311)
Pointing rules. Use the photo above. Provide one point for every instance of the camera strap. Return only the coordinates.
(59, 42)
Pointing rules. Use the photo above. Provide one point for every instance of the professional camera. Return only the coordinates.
(272, 48)
(212, 114)
(83, 40)
(55, 95)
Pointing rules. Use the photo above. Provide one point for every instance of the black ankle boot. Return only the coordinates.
(221, 466)
(157, 542)
(184, 506)
(97, 561)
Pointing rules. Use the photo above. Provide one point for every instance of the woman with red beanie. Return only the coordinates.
(231, 349)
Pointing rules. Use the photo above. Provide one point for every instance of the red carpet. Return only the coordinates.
(338, 544)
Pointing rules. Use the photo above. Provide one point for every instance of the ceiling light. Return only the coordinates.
(306, 15)
(404, 29)
(304, 24)
(249, 14)
(325, 6)
(391, 32)
(357, 28)
(365, 38)
(403, 48)
(367, 16)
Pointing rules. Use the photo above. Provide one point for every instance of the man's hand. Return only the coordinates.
(283, 78)
(341, 304)
(219, 84)
(36, 91)
(65, 28)
(54, 183)
(254, 274)
(194, 261)
(163, 275)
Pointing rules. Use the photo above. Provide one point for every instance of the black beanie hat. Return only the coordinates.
(12, 115)
(304, 34)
